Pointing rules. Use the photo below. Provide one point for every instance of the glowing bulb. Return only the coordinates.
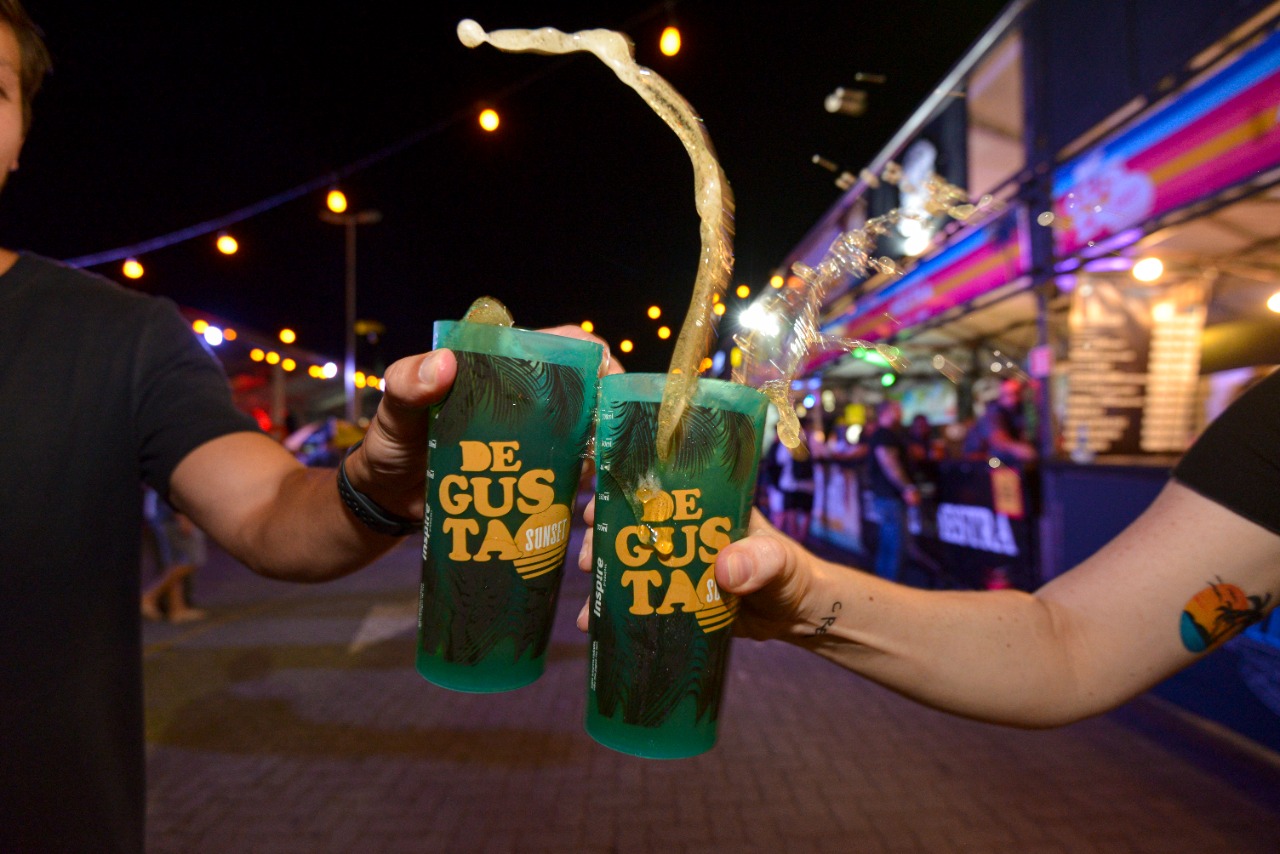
(777, 282)
(743, 292)
(329, 371)
(669, 42)
(337, 201)
(705, 365)
(654, 312)
(588, 326)
(132, 268)
(227, 244)
(273, 358)
(288, 364)
(887, 380)
(626, 346)
(1148, 270)
(1274, 302)
(664, 332)
(489, 120)
(315, 371)
(229, 334)
(288, 336)
(199, 326)
(213, 335)
(257, 355)
(718, 309)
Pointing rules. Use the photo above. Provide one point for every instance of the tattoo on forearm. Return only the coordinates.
(826, 622)
(1219, 613)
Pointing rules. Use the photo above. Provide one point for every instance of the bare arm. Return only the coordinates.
(287, 521)
(1087, 641)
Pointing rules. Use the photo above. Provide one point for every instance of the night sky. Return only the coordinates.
(160, 117)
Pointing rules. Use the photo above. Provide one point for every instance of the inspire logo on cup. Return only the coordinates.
(505, 455)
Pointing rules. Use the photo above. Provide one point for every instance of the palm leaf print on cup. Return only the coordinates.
(505, 454)
(659, 626)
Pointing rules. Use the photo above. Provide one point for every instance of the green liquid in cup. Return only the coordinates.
(659, 627)
(505, 456)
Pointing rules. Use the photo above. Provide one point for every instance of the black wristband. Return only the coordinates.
(367, 510)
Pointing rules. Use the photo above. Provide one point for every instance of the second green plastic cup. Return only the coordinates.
(505, 455)
(659, 627)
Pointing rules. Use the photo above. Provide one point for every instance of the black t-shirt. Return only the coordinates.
(102, 388)
(878, 482)
(1236, 463)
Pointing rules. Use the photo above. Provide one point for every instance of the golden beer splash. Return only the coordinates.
(712, 195)
(786, 334)
(490, 312)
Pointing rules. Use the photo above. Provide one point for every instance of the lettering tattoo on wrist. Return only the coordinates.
(828, 621)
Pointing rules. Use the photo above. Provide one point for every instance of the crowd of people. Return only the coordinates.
(896, 468)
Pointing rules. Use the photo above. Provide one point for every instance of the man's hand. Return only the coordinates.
(391, 465)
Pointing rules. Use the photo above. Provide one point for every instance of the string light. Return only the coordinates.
(227, 244)
(669, 42)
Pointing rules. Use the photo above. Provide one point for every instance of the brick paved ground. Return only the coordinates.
(293, 720)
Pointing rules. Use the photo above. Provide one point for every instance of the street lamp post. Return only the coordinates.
(349, 221)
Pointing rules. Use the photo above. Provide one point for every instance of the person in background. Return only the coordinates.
(1001, 430)
(891, 486)
(795, 480)
(925, 449)
(128, 393)
(180, 550)
(1201, 564)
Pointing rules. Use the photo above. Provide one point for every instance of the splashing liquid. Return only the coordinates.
(490, 312)
(712, 195)
(785, 335)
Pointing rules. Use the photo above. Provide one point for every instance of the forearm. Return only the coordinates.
(279, 518)
(999, 656)
(307, 534)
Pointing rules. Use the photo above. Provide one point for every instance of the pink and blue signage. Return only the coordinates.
(1217, 134)
(987, 258)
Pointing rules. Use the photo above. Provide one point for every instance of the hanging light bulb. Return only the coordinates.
(227, 244)
(669, 42)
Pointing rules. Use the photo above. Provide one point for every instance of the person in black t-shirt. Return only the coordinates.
(794, 478)
(1196, 568)
(127, 393)
(1001, 430)
(891, 487)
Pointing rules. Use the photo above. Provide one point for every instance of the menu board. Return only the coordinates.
(1134, 362)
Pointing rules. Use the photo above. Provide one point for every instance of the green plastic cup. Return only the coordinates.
(660, 628)
(504, 460)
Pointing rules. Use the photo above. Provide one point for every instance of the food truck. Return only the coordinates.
(1124, 262)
